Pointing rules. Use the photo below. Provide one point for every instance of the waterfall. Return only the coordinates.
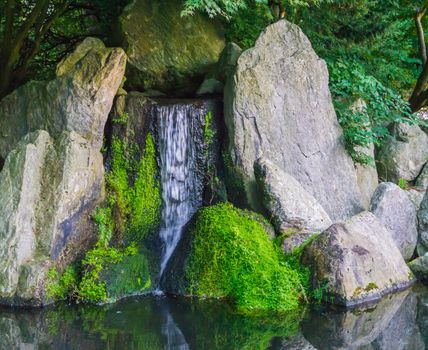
(181, 186)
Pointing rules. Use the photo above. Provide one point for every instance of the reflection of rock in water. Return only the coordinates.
(38, 329)
(422, 318)
(402, 333)
(351, 329)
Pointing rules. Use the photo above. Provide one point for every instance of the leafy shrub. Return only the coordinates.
(363, 126)
(233, 257)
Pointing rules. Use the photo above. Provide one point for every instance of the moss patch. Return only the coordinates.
(232, 257)
(134, 190)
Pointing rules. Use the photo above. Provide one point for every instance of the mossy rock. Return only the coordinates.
(168, 52)
(226, 253)
(129, 277)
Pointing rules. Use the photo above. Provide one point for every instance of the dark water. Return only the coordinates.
(398, 322)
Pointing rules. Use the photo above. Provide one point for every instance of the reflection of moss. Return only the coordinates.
(138, 325)
(232, 257)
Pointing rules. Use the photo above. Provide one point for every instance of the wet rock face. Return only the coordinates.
(53, 178)
(397, 213)
(356, 261)
(278, 105)
(404, 155)
(168, 52)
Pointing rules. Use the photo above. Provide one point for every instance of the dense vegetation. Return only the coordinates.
(372, 52)
(374, 49)
(233, 257)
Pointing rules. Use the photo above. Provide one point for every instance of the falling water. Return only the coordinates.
(180, 183)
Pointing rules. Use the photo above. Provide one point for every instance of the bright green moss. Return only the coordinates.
(233, 257)
(92, 288)
(134, 190)
(145, 198)
(128, 277)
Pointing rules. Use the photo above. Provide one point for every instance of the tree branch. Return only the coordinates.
(420, 13)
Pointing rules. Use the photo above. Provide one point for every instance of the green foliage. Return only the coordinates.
(245, 27)
(367, 124)
(230, 8)
(92, 288)
(233, 257)
(59, 287)
(403, 184)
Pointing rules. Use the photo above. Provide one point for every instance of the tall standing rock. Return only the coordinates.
(167, 52)
(278, 105)
(53, 178)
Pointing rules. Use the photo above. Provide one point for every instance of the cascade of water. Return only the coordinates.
(180, 183)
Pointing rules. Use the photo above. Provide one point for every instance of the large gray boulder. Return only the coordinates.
(404, 154)
(48, 190)
(289, 206)
(53, 179)
(166, 51)
(396, 211)
(78, 100)
(278, 105)
(356, 261)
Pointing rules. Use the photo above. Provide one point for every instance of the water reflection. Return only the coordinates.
(398, 322)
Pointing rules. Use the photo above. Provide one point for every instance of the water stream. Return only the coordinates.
(181, 186)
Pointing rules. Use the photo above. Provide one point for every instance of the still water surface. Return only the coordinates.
(398, 322)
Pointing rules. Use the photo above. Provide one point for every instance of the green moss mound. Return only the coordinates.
(233, 257)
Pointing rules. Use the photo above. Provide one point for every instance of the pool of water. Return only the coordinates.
(398, 322)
